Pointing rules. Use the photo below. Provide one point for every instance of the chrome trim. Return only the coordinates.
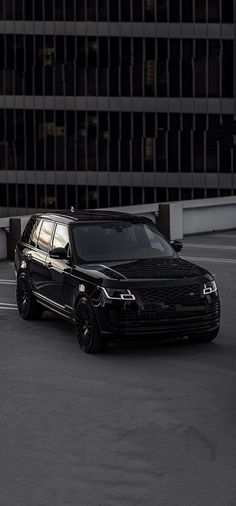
(123, 296)
(53, 309)
(210, 289)
(110, 268)
(49, 300)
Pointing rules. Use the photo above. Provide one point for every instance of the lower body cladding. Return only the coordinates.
(128, 319)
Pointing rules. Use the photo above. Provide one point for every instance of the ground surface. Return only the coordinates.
(140, 425)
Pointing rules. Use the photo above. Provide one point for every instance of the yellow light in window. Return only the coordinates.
(46, 55)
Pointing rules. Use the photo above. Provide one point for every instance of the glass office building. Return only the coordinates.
(116, 102)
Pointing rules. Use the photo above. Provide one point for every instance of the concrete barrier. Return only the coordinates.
(4, 229)
(174, 219)
(177, 219)
(17, 225)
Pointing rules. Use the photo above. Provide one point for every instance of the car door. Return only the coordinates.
(37, 262)
(35, 257)
(58, 269)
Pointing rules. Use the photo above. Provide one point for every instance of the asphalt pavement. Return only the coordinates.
(143, 424)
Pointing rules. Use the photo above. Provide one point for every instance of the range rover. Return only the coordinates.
(113, 275)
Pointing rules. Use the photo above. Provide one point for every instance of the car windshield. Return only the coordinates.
(120, 240)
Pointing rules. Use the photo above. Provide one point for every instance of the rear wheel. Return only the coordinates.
(28, 307)
(206, 337)
(87, 331)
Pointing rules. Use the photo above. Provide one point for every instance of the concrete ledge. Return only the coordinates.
(174, 219)
(4, 228)
(17, 225)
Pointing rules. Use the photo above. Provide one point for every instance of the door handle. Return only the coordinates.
(49, 264)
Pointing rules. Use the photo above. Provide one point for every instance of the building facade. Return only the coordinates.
(116, 102)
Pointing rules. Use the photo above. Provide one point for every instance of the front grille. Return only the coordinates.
(169, 295)
(205, 317)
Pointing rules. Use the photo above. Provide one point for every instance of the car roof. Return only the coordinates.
(70, 217)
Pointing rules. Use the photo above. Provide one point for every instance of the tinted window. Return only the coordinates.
(35, 233)
(61, 237)
(45, 235)
(119, 241)
(28, 230)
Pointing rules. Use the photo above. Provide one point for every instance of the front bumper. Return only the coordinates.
(130, 319)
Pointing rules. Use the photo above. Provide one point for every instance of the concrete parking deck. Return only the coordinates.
(140, 425)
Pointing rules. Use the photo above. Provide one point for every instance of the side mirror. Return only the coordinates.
(177, 246)
(59, 253)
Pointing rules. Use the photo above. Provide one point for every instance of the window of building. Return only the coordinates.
(211, 152)
(71, 198)
(199, 193)
(137, 155)
(186, 164)
(187, 11)
(102, 10)
(103, 196)
(93, 197)
(61, 202)
(31, 196)
(227, 11)
(200, 11)
(91, 10)
(137, 195)
(186, 193)
(198, 151)
(80, 10)
(213, 11)
(173, 152)
(200, 68)
(114, 196)
(161, 8)
(149, 10)
(228, 63)
(173, 194)
(149, 195)
(212, 193)
(40, 196)
(125, 196)
(50, 202)
(114, 153)
(174, 11)
(113, 10)
(70, 9)
(125, 10)
(161, 194)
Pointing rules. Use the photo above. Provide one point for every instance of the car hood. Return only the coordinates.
(165, 268)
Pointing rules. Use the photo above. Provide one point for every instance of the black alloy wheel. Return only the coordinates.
(87, 331)
(28, 307)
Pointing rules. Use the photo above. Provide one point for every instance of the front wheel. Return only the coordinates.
(87, 331)
(28, 307)
(206, 337)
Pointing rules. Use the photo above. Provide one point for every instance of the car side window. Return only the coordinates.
(35, 233)
(45, 235)
(28, 230)
(61, 237)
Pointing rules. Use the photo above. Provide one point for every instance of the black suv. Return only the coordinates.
(112, 275)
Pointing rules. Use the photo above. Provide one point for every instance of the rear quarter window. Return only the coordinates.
(45, 235)
(28, 230)
(33, 239)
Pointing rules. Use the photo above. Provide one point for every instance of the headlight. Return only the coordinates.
(210, 287)
(118, 294)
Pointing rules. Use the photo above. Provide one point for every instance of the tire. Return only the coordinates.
(205, 338)
(87, 331)
(28, 307)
